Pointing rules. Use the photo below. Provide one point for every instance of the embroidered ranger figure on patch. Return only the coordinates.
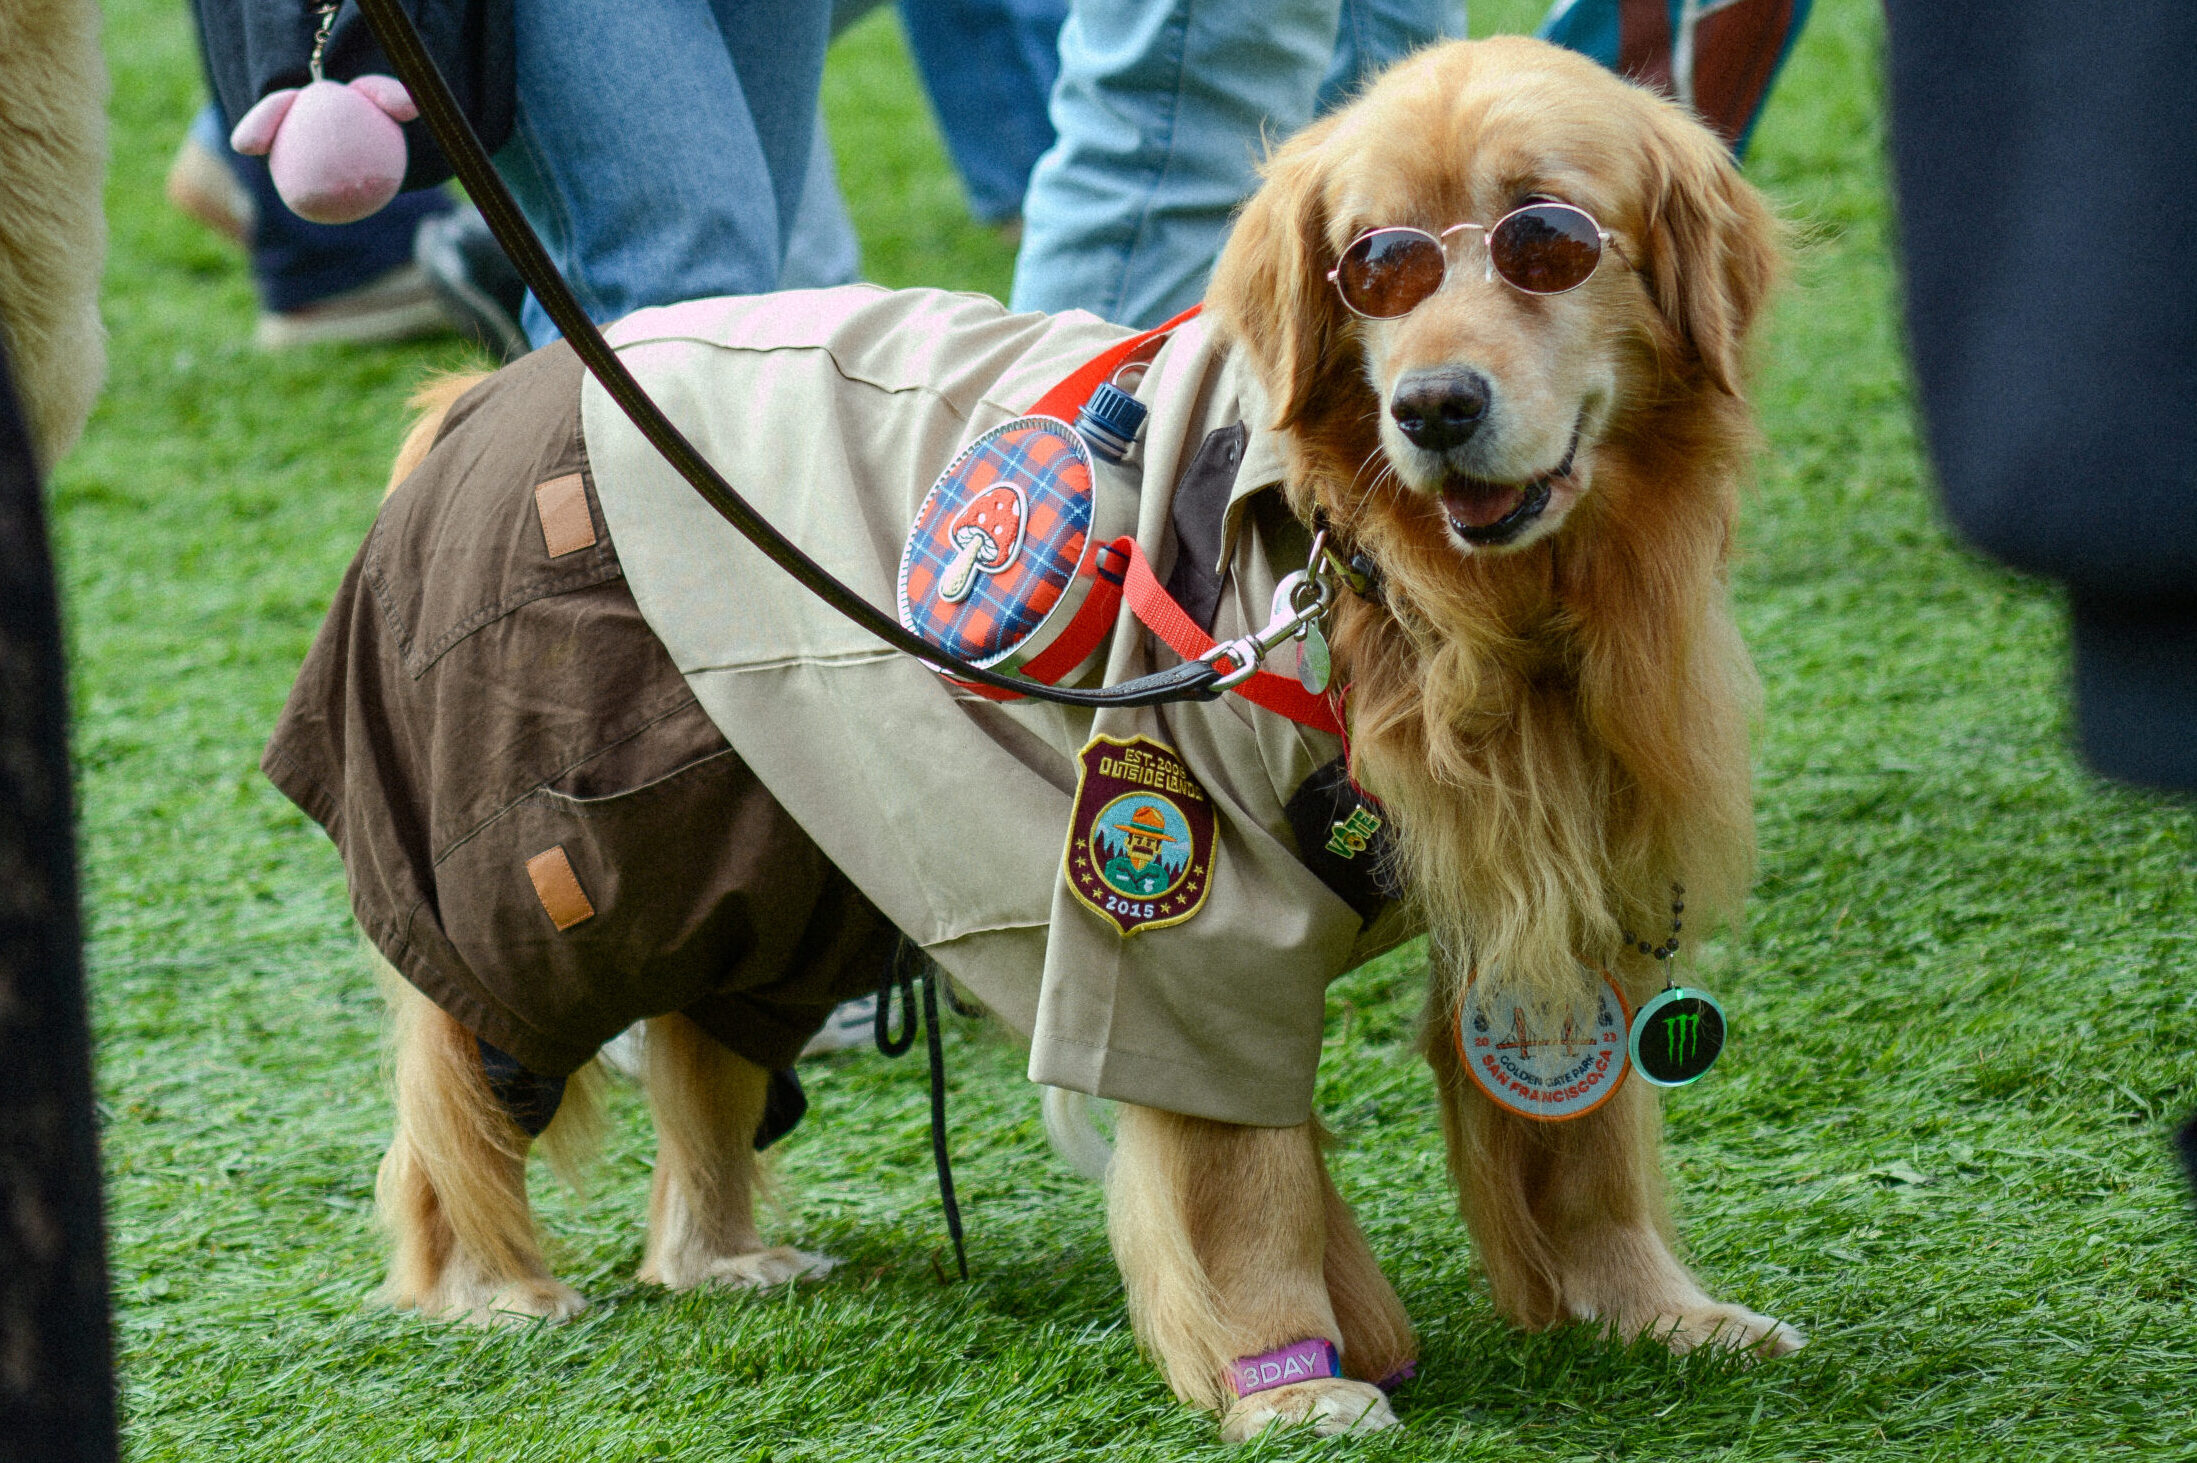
(1541, 1063)
(1140, 844)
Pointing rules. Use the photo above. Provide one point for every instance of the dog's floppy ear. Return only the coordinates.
(1712, 245)
(1270, 290)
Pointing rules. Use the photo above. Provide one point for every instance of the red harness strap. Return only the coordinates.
(1150, 602)
(1122, 571)
(1076, 388)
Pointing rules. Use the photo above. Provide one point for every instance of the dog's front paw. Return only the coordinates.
(1330, 1406)
(1733, 1327)
(763, 1269)
(511, 1303)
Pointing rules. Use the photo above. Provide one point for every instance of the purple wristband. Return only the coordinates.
(1300, 1361)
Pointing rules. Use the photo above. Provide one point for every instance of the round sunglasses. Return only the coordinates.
(1542, 249)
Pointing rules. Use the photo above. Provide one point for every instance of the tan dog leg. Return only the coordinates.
(452, 1188)
(1229, 1246)
(1378, 1344)
(708, 1103)
(1571, 1220)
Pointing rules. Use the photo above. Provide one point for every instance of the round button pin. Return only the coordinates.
(1677, 1036)
(1541, 1063)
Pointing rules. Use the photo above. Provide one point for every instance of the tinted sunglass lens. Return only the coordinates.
(1388, 271)
(1546, 248)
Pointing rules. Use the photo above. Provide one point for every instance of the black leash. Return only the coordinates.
(910, 966)
(400, 41)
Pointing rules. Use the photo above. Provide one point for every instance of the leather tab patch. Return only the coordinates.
(558, 887)
(567, 526)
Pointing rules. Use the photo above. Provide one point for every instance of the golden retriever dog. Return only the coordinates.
(1548, 697)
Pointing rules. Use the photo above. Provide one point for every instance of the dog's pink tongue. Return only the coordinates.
(1476, 505)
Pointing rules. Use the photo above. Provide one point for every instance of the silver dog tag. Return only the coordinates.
(1314, 666)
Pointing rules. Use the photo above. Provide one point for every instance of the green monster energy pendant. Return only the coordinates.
(1677, 1036)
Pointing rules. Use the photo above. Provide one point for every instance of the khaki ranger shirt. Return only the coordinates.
(833, 412)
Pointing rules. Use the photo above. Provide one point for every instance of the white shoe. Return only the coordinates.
(853, 1024)
(201, 185)
(397, 306)
(622, 1053)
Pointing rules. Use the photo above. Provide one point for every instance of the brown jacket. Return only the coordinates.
(577, 784)
(475, 702)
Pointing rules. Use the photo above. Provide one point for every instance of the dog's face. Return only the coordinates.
(1489, 405)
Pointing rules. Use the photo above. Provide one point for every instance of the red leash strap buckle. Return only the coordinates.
(1150, 602)
(1242, 654)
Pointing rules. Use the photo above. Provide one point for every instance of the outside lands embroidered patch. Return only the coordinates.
(1140, 843)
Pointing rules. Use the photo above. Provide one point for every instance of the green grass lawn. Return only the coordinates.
(1964, 1010)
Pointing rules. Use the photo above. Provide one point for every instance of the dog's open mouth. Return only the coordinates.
(1495, 513)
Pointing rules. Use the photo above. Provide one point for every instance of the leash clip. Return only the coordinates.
(1299, 609)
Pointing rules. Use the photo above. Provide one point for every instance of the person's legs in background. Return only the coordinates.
(823, 250)
(1162, 111)
(480, 289)
(989, 68)
(317, 282)
(1373, 35)
(1159, 110)
(1162, 106)
(1719, 58)
(202, 184)
(662, 145)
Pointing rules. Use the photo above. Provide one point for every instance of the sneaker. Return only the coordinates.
(480, 291)
(399, 305)
(201, 185)
(853, 1024)
(622, 1053)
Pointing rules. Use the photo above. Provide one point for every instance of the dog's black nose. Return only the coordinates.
(1440, 409)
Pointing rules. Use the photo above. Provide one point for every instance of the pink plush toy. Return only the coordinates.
(335, 149)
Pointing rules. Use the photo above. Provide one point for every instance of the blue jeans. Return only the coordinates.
(295, 263)
(822, 250)
(661, 146)
(989, 68)
(1161, 109)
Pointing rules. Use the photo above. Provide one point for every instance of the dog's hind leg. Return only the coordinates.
(452, 1188)
(1572, 1223)
(708, 1102)
(1224, 1238)
(1377, 1341)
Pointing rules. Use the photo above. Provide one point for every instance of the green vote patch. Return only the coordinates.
(1140, 844)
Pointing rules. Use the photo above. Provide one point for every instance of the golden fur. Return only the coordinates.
(53, 158)
(1557, 727)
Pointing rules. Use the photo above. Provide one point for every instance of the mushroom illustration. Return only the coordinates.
(986, 535)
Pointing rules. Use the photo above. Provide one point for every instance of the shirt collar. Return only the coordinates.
(1264, 467)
